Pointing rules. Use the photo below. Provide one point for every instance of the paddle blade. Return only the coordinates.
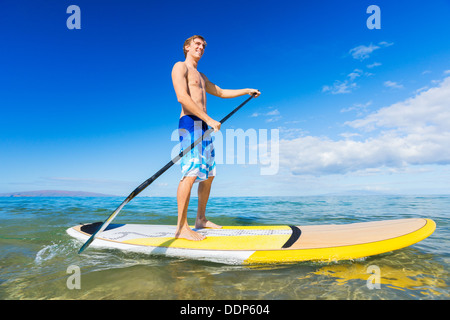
(92, 238)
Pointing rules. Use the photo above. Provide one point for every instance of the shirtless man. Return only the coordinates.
(191, 87)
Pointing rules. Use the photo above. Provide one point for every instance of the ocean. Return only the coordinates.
(37, 256)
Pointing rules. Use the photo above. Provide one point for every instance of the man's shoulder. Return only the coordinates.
(180, 65)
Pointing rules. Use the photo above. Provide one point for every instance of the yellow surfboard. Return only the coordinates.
(264, 244)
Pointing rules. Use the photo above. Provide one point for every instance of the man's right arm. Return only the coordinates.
(179, 80)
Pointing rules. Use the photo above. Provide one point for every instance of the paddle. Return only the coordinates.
(147, 182)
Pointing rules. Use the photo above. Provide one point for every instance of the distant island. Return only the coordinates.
(55, 193)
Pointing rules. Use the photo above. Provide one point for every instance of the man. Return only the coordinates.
(198, 165)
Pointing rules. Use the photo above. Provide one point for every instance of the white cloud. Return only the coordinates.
(373, 65)
(355, 74)
(392, 84)
(428, 109)
(415, 131)
(271, 116)
(339, 87)
(360, 108)
(269, 113)
(386, 44)
(273, 113)
(345, 86)
(363, 52)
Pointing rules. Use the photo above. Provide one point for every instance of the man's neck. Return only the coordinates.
(191, 62)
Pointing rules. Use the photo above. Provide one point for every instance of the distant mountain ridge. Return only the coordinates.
(55, 193)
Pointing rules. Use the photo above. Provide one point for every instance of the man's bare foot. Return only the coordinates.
(199, 224)
(189, 234)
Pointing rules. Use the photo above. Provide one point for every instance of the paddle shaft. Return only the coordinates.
(149, 181)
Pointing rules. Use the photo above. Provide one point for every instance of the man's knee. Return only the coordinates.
(188, 180)
(207, 181)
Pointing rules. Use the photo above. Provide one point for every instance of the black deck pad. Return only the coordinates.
(90, 228)
(296, 233)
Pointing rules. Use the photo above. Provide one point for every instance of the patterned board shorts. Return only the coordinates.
(199, 161)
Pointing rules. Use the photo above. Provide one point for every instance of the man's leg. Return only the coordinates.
(183, 196)
(204, 189)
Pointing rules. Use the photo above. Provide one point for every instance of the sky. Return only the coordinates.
(345, 107)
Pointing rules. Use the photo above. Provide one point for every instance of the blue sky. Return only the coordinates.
(356, 109)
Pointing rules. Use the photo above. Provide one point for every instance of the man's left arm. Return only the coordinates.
(215, 90)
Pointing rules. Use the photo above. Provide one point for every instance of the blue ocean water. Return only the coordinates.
(36, 252)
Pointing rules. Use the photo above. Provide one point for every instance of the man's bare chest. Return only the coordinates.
(195, 80)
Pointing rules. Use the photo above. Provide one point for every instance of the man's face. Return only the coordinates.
(196, 48)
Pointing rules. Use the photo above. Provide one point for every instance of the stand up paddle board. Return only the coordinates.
(264, 244)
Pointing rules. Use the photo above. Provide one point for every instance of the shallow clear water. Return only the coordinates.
(36, 252)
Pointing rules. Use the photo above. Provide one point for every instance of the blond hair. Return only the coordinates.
(189, 40)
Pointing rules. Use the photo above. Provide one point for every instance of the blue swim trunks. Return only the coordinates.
(199, 161)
